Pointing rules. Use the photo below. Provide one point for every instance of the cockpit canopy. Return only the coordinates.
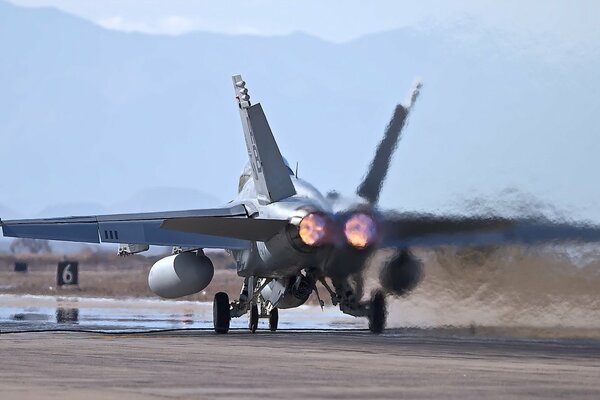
(247, 173)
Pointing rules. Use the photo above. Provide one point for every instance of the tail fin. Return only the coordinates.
(370, 188)
(271, 175)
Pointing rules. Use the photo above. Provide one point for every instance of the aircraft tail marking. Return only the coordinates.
(271, 175)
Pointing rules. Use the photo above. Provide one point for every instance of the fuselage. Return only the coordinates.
(278, 258)
(281, 256)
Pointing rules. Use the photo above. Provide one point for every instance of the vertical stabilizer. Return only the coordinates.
(271, 175)
(370, 188)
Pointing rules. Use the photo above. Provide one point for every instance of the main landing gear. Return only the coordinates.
(253, 305)
(253, 321)
(348, 298)
(377, 312)
(273, 319)
(221, 313)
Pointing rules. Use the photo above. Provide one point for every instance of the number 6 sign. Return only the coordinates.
(67, 273)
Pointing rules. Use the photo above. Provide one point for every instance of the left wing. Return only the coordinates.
(406, 230)
(147, 228)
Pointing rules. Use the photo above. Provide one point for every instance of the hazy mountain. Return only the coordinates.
(6, 212)
(89, 115)
(164, 199)
(146, 200)
(71, 209)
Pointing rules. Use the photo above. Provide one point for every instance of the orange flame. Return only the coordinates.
(360, 230)
(312, 229)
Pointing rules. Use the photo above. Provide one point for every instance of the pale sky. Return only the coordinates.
(564, 30)
(562, 22)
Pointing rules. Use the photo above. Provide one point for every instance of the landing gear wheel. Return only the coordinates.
(377, 312)
(273, 319)
(221, 314)
(253, 324)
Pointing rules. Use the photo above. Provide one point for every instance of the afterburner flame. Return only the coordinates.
(360, 230)
(313, 229)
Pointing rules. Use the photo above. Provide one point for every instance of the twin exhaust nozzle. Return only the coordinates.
(358, 229)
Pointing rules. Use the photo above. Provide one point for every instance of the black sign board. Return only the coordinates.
(67, 273)
(20, 266)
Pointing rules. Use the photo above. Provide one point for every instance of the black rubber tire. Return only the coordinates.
(377, 312)
(253, 322)
(221, 313)
(273, 319)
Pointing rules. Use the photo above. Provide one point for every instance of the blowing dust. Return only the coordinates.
(508, 287)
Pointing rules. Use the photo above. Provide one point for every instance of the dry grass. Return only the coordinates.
(105, 275)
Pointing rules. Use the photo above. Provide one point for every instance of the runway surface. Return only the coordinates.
(293, 365)
(319, 363)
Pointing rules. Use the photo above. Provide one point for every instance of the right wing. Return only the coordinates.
(207, 228)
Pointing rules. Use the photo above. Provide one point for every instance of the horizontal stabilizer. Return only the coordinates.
(430, 230)
(259, 230)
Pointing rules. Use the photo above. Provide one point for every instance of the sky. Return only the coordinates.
(561, 30)
(569, 22)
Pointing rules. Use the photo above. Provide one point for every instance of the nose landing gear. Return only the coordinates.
(255, 315)
(253, 321)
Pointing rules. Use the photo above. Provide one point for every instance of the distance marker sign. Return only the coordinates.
(67, 273)
(20, 266)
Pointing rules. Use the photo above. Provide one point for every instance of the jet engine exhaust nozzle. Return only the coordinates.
(313, 229)
(360, 230)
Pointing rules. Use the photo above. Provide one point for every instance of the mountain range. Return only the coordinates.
(90, 117)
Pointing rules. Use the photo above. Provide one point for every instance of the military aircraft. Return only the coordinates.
(286, 237)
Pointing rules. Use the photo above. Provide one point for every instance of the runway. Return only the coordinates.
(306, 359)
(287, 364)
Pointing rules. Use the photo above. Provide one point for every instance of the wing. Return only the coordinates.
(429, 230)
(208, 228)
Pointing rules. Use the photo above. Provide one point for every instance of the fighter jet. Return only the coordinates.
(286, 236)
